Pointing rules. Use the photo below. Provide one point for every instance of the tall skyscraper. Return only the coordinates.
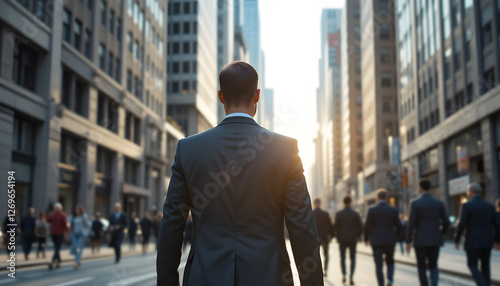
(225, 42)
(352, 128)
(192, 64)
(240, 46)
(329, 64)
(448, 60)
(82, 104)
(380, 102)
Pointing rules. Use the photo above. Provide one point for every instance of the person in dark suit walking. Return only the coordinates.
(482, 228)
(325, 230)
(348, 229)
(241, 182)
(132, 230)
(117, 224)
(146, 226)
(382, 229)
(427, 224)
(28, 231)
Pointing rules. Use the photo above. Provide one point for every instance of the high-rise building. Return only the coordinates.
(192, 64)
(225, 42)
(329, 64)
(379, 96)
(82, 103)
(352, 122)
(449, 105)
(240, 46)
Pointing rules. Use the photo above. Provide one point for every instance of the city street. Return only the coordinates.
(140, 270)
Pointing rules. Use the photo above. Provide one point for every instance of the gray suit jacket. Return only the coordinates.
(241, 183)
(428, 222)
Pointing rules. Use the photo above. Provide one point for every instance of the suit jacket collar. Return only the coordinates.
(238, 119)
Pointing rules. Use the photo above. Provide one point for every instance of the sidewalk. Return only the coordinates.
(451, 261)
(105, 252)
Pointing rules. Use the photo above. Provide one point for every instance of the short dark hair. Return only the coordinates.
(317, 201)
(382, 194)
(425, 184)
(347, 200)
(238, 83)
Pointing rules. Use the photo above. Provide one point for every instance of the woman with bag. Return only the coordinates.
(79, 229)
(41, 233)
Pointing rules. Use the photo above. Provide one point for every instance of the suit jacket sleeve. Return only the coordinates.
(412, 221)
(368, 225)
(445, 220)
(397, 225)
(170, 236)
(461, 224)
(300, 223)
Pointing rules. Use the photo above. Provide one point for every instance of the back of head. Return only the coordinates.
(347, 201)
(238, 83)
(475, 188)
(382, 194)
(317, 202)
(424, 184)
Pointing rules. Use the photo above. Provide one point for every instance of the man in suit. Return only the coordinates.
(241, 183)
(325, 230)
(117, 224)
(382, 229)
(427, 224)
(28, 231)
(348, 229)
(482, 228)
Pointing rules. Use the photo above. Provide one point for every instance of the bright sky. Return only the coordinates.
(290, 38)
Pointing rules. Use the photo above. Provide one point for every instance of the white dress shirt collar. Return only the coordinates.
(242, 114)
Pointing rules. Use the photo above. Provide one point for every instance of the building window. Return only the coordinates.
(195, 65)
(175, 67)
(386, 106)
(24, 66)
(74, 93)
(385, 55)
(185, 86)
(176, 28)
(385, 31)
(359, 99)
(90, 4)
(129, 81)
(195, 28)
(130, 8)
(175, 87)
(386, 79)
(186, 28)
(118, 71)
(107, 112)
(195, 47)
(185, 67)
(102, 57)
(87, 44)
(187, 8)
(110, 64)
(130, 43)
(141, 20)
(487, 29)
(131, 171)
(447, 63)
(358, 83)
(67, 26)
(177, 8)
(118, 29)
(185, 48)
(112, 22)
(104, 9)
(23, 136)
(136, 49)
(136, 12)
(175, 48)
(78, 35)
(132, 128)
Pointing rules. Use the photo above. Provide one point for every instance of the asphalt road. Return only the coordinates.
(140, 270)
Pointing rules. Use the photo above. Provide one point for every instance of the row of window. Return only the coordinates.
(112, 20)
(174, 48)
(407, 106)
(429, 122)
(112, 66)
(187, 67)
(187, 8)
(181, 86)
(187, 28)
(77, 35)
(410, 135)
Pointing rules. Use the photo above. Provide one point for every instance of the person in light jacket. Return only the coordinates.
(79, 229)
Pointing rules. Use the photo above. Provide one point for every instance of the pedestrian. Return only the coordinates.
(58, 231)
(28, 231)
(156, 226)
(9, 224)
(427, 224)
(402, 238)
(96, 233)
(132, 230)
(41, 233)
(325, 230)
(79, 229)
(482, 232)
(348, 230)
(242, 183)
(382, 230)
(117, 225)
(188, 233)
(146, 225)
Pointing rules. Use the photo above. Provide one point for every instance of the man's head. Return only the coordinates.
(317, 203)
(347, 201)
(118, 207)
(424, 186)
(381, 195)
(238, 88)
(473, 189)
(31, 211)
(58, 207)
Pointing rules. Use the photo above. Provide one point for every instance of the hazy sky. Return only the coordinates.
(290, 38)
